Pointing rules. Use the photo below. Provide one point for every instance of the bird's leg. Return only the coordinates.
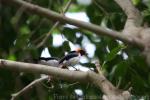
(49, 79)
(63, 66)
(75, 68)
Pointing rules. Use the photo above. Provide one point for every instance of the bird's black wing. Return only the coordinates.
(68, 56)
(48, 58)
(71, 52)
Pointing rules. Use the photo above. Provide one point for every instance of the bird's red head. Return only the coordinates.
(81, 51)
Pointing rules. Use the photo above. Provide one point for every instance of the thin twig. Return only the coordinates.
(16, 95)
(119, 82)
(73, 84)
(47, 35)
(38, 27)
(101, 8)
(98, 66)
(17, 17)
(54, 26)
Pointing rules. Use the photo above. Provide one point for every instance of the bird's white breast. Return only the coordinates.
(72, 61)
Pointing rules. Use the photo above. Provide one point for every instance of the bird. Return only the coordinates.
(50, 61)
(72, 58)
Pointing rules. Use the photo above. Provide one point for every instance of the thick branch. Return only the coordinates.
(133, 14)
(98, 79)
(91, 27)
(132, 27)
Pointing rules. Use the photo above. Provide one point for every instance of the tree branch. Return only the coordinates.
(133, 23)
(132, 27)
(16, 95)
(133, 14)
(91, 27)
(97, 79)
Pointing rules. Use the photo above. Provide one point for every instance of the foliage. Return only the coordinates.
(122, 64)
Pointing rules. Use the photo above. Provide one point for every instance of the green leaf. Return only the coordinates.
(138, 84)
(135, 2)
(70, 34)
(11, 57)
(120, 69)
(114, 52)
(25, 30)
(66, 46)
(94, 14)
